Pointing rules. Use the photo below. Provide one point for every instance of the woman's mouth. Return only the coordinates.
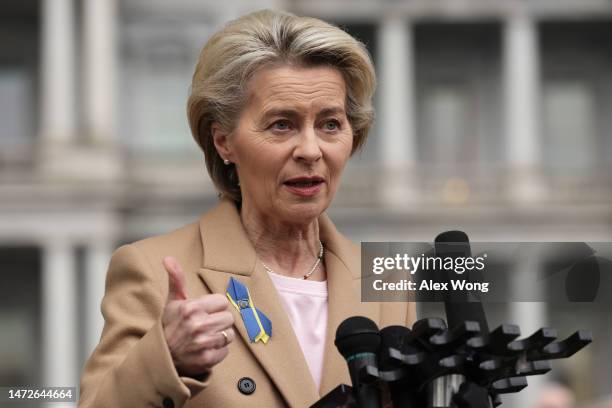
(304, 186)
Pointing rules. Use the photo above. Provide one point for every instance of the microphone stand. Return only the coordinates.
(463, 367)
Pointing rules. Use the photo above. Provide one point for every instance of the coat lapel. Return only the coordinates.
(228, 253)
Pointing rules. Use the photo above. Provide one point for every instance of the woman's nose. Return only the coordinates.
(307, 148)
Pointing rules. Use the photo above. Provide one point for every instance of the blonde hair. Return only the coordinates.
(263, 38)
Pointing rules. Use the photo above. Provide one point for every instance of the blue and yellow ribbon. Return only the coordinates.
(258, 326)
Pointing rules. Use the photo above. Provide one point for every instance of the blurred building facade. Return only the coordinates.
(492, 117)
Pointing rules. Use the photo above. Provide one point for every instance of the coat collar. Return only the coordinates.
(227, 252)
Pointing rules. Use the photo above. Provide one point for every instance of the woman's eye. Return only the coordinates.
(281, 125)
(331, 125)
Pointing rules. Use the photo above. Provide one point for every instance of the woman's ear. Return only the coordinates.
(221, 141)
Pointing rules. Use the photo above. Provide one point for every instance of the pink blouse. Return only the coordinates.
(305, 302)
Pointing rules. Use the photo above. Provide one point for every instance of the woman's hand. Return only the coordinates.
(194, 327)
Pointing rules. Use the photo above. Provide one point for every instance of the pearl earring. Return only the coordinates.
(226, 162)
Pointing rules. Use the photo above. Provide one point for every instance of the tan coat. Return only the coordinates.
(132, 366)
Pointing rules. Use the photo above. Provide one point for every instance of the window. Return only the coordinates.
(569, 124)
(14, 107)
(458, 94)
(20, 316)
(447, 124)
(158, 62)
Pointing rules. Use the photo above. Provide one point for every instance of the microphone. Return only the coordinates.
(402, 395)
(358, 340)
(460, 306)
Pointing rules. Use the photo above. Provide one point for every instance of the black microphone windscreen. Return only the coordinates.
(452, 244)
(394, 337)
(357, 334)
(452, 236)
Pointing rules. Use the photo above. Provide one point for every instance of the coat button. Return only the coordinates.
(246, 385)
(168, 403)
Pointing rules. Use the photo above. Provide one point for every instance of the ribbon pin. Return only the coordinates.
(258, 326)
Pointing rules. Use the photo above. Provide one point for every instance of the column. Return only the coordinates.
(397, 110)
(100, 70)
(97, 257)
(529, 315)
(100, 86)
(59, 315)
(522, 90)
(58, 117)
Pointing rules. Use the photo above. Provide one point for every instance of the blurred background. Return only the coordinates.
(493, 117)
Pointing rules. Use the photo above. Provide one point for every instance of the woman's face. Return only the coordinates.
(291, 142)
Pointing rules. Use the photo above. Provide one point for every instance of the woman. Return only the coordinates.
(241, 308)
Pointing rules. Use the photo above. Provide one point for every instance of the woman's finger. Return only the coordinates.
(176, 279)
(208, 358)
(211, 323)
(212, 303)
(212, 340)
